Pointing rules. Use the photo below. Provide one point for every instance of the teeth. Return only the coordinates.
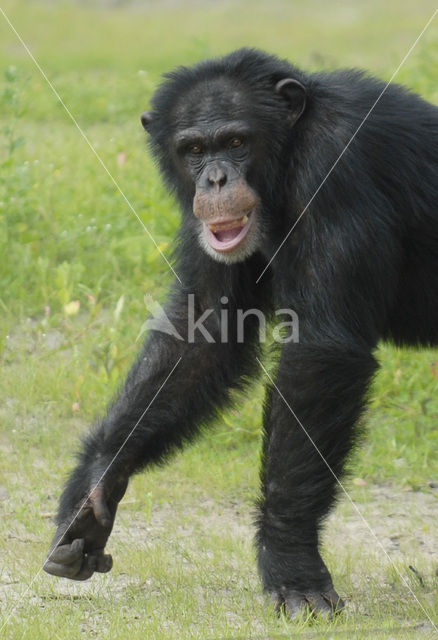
(241, 222)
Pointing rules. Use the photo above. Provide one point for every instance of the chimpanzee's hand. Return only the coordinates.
(77, 549)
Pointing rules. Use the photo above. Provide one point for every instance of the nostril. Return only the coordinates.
(217, 178)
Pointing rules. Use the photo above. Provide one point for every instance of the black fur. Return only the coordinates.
(360, 266)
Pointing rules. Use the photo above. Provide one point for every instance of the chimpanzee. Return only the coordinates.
(311, 192)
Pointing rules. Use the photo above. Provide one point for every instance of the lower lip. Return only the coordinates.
(230, 245)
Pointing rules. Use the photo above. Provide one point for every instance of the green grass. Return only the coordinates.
(75, 265)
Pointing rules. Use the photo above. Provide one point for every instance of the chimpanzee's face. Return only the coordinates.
(215, 144)
(219, 139)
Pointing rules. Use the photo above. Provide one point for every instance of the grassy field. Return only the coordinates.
(75, 265)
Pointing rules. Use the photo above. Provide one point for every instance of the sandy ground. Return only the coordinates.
(396, 544)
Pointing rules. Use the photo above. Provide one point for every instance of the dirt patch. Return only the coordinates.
(404, 534)
(401, 523)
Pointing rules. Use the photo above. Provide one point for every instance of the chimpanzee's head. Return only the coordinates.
(219, 131)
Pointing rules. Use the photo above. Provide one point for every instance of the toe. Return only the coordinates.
(336, 603)
(319, 605)
(294, 604)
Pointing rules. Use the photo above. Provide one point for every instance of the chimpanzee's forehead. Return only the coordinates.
(210, 101)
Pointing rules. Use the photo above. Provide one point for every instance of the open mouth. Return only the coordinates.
(225, 235)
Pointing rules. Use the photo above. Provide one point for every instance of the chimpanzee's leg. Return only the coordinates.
(309, 430)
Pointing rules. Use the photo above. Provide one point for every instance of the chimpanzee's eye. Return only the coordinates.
(236, 142)
(196, 149)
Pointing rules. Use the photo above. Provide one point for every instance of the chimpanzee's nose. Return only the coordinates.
(217, 177)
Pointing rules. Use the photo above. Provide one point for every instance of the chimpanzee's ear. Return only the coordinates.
(146, 119)
(295, 94)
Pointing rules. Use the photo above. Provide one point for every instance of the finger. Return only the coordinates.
(62, 570)
(87, 569)
(67, 553)
(104, 563)
(100, 509)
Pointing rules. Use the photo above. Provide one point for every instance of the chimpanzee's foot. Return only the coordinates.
(295, 603)
(298, 581)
